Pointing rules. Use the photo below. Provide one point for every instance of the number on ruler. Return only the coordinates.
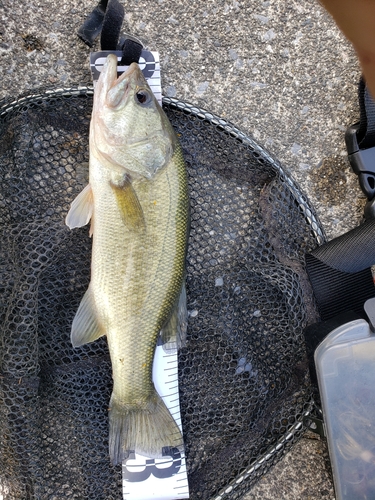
(151, 468)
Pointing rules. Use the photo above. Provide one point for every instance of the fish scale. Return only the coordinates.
(148, 310)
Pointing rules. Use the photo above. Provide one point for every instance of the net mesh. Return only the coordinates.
(243, 376)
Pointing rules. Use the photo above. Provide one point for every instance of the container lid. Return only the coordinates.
(346, 376)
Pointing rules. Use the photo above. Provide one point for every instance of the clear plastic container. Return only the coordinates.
(345, 365)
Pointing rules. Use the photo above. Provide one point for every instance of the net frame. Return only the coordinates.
(235, 487)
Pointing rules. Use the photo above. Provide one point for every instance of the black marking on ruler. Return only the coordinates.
(172, 382)
(151, 468)
(175, 412)
(146, 62)
(176, 405)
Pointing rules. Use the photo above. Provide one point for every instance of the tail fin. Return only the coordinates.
(146, 430)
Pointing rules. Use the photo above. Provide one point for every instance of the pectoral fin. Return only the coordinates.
(129, 205)
(173, 333)
(85, 327)
(81, 209)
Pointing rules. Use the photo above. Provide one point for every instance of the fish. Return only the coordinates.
(137, 204)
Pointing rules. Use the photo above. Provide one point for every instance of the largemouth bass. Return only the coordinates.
(137, 202)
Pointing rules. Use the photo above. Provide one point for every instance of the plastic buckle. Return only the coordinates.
(315, 425)
(362, 161)
(369, 308)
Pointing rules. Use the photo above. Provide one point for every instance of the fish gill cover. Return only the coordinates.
(243, 376)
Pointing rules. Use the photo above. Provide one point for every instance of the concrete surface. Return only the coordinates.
(279, 70)
(303, 474)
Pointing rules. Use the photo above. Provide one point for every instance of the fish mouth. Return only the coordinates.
(135, 72)
(119, 87)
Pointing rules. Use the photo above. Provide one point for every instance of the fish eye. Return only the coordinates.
(143, 97)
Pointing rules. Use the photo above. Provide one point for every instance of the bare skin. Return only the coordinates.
(356, 19)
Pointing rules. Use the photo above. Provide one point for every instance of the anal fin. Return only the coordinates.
(86, 327)
(173, 333)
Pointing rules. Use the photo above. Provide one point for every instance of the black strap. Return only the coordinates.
(112, 23)
(131, 51)
(107, 18)
(366, 130)
(360, 143)
(336, 291)
(351, 252)
(93, 24)
(340, 272)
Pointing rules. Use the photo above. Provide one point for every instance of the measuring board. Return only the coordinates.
(159, 478)
(148, 62)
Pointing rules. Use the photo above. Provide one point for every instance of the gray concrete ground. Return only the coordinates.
(279, 70)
